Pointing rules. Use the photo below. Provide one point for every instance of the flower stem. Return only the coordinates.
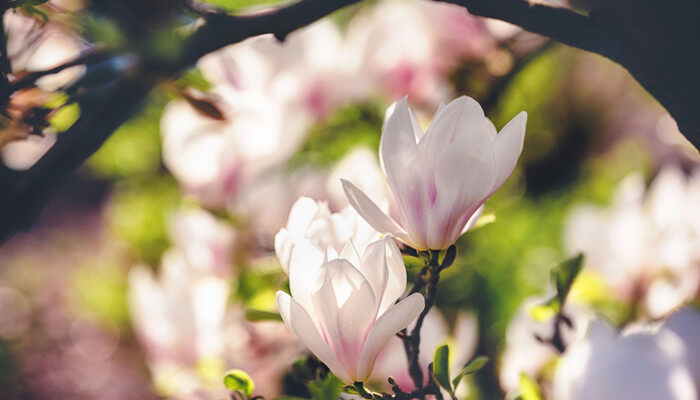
(428, 277)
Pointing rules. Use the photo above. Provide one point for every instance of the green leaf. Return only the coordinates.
(64, 117)
(261, 315)
(564, 274)
(328, 388)
(441, 367)
(472, 366)
(239, 380)
(529, 389)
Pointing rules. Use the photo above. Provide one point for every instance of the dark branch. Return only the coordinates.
(118, 100)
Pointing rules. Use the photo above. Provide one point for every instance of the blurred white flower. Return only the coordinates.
(523, 353)
(206, 242)
(642, 362)
(22, 154)
(343, 309)
(408, 47)
(361, 167)
(440, 179)
(434, 332)
(177, 316)
(644, 244)
(213, 158)
(312, 220)
(308, 72)
(32, 47)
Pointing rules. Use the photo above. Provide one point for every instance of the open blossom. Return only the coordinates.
(206, 242)
(178, 318)
(312, 220)
(343, 309)
(440, 179)
(642, 362)
(646, 242)
(213, 159)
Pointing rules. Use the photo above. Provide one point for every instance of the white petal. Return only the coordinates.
(304, 267)
(302, 213)
(283, 248)
(370, 211)
(507, 148)
(298, 320)
(345, 306)
(407, 180)
(396, 318)
(464, 177)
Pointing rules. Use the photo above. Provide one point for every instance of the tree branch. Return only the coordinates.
(118, 100)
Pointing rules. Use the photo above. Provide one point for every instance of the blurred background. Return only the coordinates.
(152, 271)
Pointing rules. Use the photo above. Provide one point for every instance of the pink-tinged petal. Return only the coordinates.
(464, 177)
(304, 267)
(344, 305)
(463, 116)
(297, 319)
(400, 119)
(407, 180)
(375, 269)
(369, 211)
(507, 148)
(396, 318)
(284, 245)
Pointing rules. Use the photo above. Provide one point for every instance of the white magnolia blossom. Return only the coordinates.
(434, 332)
(312, 220)
(644, 243)
(177, 317)
(307, 72)
(440, 179)
(206, 242)
(408, 46)
(343, 309)
(523, 353)
(361, 167)
(642, 362)
(213, 158)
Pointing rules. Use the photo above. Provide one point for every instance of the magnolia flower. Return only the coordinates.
(206, 242)
(213, 159)
(440, 179)
(360, 166)
(307, 72)
(22, 154)
(643, 362)
(177, 317)
(343, 309)
(434, 332)
(645, 242)
(312, 220)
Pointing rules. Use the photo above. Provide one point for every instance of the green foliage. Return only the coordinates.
(441, 367)
(64, 117)
(354, 125)
(239, 381)
(472, 366)
(138, 214)
(234, 5)
(328, 388)
(100, 294)
(563, 276)
(133, 150)
(529, 389)
(261, 315)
